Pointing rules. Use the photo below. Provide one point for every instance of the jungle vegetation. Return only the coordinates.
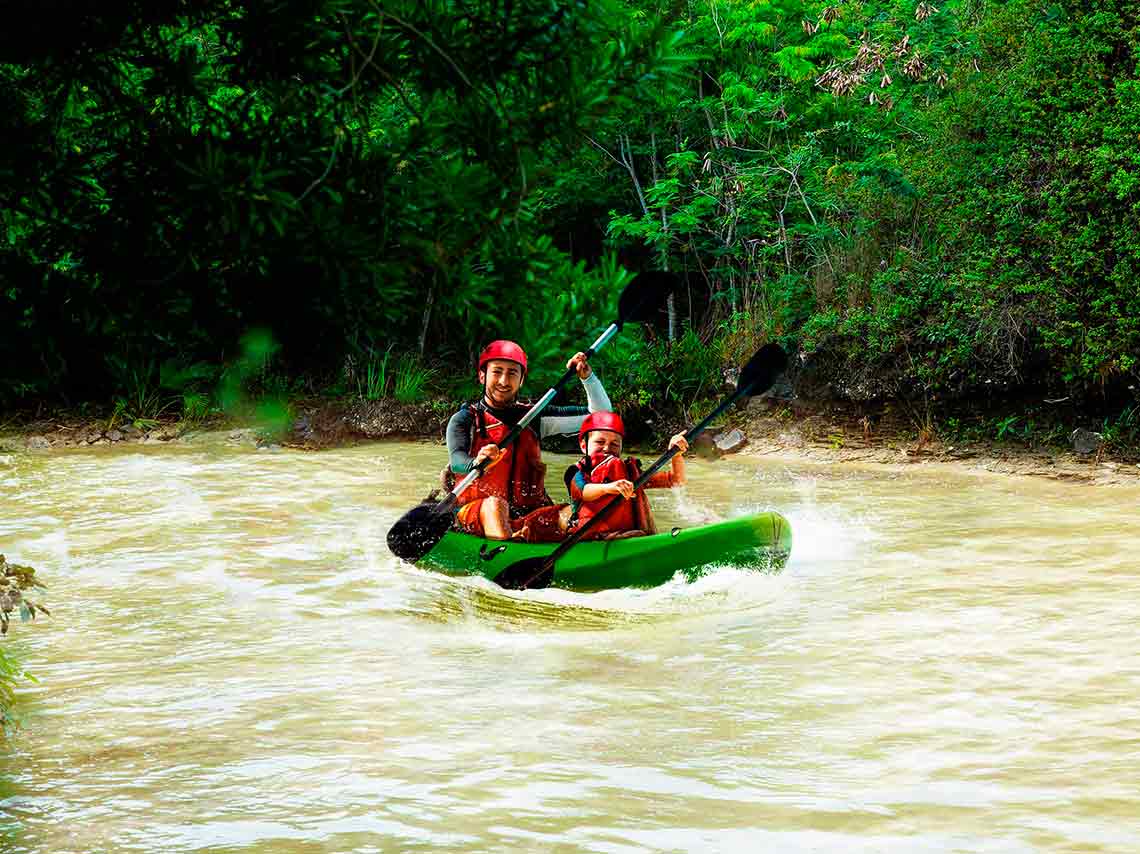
(932, 200)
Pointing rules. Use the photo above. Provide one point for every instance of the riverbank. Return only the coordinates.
(822, 432)
(841, 435)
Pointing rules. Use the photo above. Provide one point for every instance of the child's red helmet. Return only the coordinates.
(602, 421)
(508, 350)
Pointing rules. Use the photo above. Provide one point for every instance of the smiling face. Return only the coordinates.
(601, 442)
(501, 380)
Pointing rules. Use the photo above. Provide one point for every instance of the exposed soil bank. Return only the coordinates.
(822, 432)
(841, 434)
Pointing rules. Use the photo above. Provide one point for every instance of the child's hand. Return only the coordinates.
(680, 442)
(624, 488)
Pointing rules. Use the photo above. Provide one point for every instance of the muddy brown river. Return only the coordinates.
(949, 662)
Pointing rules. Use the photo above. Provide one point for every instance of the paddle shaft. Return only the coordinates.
(693, 432)
(534, 411)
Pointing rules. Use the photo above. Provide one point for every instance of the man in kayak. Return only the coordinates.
(602, 473)
(512, 486)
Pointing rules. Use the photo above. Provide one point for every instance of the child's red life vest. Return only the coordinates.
(518, 475)
(629, 515)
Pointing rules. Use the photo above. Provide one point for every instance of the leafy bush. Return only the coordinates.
(15, 581)
(196, 406)
(666, 374)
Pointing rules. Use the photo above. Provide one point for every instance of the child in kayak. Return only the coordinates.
(602, 473)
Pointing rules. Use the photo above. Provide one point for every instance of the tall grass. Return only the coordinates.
(412, 379)
(144, 401)
(372, 384)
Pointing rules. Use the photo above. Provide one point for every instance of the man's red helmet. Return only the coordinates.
(508, 350)
(602, 421)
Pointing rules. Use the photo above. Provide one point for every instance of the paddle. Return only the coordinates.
(419, 530)
(755, 378)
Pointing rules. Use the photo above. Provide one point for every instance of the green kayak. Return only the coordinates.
(763, 541)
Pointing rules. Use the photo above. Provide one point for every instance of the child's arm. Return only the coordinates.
(582, 490)
(592, 491)
(682, 445)
(676, 477)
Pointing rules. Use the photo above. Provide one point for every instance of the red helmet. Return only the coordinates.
(602, 421)
(508, 350)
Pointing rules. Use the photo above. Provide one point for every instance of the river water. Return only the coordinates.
(950, 662)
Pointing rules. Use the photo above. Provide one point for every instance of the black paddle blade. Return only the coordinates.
(529, 574)
(419, 530)
(644, 295)
(763, 369)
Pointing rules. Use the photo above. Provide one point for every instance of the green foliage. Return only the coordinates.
(142, 407)
(1036, 239)
(252, 387)
(944, 191)
(411, 380)
(1007, 427)
(947, 193)
(661, 373)
(576, 306)
(170, 169)
(151, 393)
(762, 181)
(196, 407)
(372, 384)
(15, 580)
(1123, 431)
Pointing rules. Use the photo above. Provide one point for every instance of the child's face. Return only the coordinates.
(601, 442)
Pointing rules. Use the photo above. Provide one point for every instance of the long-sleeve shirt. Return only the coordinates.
(552, 421)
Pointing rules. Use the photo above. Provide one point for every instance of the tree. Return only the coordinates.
(173, 165)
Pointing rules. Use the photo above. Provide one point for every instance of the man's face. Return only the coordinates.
(501, 380)
(601, 442)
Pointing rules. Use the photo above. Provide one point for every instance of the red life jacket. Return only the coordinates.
(518, 475)
(631, 515)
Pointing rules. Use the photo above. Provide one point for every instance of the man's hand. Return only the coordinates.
(624, 488)
(680, 442)
(579, 363)
(488, 452)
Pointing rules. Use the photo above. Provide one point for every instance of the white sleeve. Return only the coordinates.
(567, 425)
(596, 398)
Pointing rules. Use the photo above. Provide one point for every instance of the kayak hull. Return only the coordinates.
(762, 541)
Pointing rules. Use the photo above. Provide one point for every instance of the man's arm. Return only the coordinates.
(459, 441)
(565, 420)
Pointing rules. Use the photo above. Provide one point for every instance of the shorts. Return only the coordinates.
(468, 519)
(544, 525)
